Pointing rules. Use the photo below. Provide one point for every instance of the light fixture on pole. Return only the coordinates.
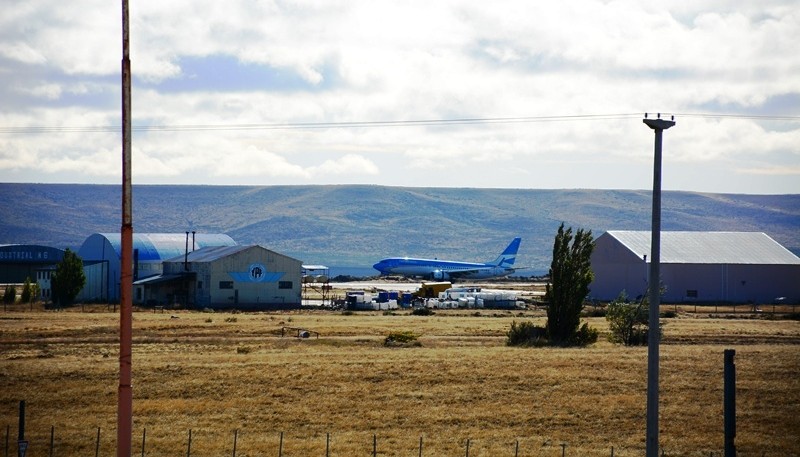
(654, 335)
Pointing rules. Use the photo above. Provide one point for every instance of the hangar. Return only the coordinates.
(242, 277)
(104, 250)
(732, 267)
(21, 261)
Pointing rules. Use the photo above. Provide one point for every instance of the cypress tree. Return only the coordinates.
(570, 276)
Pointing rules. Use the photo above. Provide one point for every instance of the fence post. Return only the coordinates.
(189, 445)
(327, 443)
(516, 448)
(97, 444)
(280, 446)
(467, 447)
(8, 430)
(729, 402)
(374, 445)
(563, 449)
(52, 432)
(235, 437)
(612, 451)
(144, 435)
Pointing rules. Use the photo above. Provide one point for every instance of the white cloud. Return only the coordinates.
(384, 60)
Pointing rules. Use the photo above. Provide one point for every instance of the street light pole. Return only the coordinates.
(654, 335)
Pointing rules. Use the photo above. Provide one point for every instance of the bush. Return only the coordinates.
(586, 335)
(594, 312)
(628, 321)
(422, 312)
(526, 334)
(402, 338)
(27, 291)
(10, 295)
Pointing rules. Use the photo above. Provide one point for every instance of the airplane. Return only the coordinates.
(449, 269)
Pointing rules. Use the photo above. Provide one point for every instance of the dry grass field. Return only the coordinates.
(214, 373)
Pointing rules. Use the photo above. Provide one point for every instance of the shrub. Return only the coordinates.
(401, 338)
(10, 295)
(594, 312)
(526, 334)
(27, 291)
(628, 322)
(586, 335)
(422, 312)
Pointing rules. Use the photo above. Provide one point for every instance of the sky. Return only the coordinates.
(443, 93)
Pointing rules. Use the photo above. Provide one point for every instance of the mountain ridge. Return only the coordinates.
(359, 224)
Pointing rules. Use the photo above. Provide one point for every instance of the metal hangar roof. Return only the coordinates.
(709, 247)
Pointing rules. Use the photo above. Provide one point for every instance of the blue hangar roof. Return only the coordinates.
(151, 246)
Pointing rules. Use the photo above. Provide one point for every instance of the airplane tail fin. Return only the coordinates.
(509, 255)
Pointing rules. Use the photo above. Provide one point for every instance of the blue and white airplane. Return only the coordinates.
(448, 269)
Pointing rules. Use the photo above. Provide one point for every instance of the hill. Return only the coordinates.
(358, 225)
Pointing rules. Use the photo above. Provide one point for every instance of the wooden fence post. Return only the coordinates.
(52, 433)
(374, 445)
(235, 437)
(144, 436)
(467, 447)
(420, 446)
(97, 444)
(280, 446)
(189, 445)
(327, 444)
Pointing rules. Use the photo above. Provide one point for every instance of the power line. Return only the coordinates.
(373, 124)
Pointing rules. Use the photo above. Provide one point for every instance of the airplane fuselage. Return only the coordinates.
(440, 269)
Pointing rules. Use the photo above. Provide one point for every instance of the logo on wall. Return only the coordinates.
(256, 272)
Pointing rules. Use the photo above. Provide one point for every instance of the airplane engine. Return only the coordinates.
(439, 275)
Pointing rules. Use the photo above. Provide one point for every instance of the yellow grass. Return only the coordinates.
(216, 373)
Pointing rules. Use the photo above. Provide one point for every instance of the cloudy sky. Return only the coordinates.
(461, 93)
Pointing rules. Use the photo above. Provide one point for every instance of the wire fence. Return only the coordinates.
(277, 446)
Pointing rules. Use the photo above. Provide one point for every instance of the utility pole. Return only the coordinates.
(654, 285)
(125, 392)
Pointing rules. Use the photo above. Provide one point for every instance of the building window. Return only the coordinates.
(285, 285)
(226, 284)
(691, 293)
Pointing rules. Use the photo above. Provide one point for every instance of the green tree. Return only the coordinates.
(27, 291)
(570, 276)
(68, 279)
(10, 295)
(629, 322)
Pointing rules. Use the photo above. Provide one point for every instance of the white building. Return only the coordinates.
(735, 267)
(241, 277)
